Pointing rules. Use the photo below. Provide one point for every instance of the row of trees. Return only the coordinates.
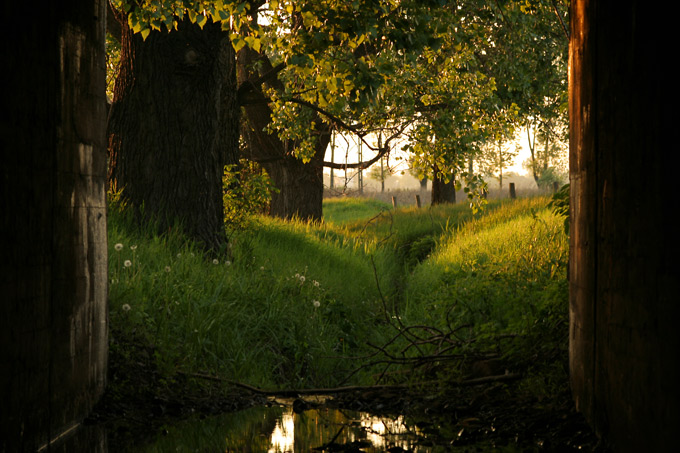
(201, 84)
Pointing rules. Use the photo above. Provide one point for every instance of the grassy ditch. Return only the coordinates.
(345, 301)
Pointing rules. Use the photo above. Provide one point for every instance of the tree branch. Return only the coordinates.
(557, 13)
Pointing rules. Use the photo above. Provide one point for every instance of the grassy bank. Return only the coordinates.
(294, 304)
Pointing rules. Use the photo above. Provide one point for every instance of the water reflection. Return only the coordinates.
(279, 429)
(283, 437)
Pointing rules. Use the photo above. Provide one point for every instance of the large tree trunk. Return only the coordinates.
(300, 185)
(174, 125)
(53, 284)
(624, 308)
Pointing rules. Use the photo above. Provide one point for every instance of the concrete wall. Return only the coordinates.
(624, 309)
(53, 266)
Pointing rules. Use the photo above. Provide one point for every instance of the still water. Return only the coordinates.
(278, 429)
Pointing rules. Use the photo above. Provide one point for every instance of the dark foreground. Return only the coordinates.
(492, 416)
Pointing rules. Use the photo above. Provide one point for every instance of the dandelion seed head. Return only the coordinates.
(316, 303)
(302, 278)
(316, 283)
(133, 247)
(227, 263)
(118, 247)
(167, 268)
(216, 261)
(126, 307)
(127, 263)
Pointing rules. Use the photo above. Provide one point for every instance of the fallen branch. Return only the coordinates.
(353, 388)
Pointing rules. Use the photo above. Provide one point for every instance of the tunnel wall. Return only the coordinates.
(53, 267)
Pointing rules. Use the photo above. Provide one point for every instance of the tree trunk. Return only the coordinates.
(442, 191)
(174, 125)
(623, 285)
(53, 324)
(300, 185)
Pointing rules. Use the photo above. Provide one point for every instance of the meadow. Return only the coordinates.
(369, 295)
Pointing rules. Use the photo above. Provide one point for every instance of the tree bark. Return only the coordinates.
(300, 184)
(623, 288)
(174, 125)
(53, 324)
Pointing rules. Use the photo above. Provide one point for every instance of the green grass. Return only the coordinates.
(289, 302)
(350, 209)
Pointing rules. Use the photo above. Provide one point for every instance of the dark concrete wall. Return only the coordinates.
(624, 306)
(53, 283)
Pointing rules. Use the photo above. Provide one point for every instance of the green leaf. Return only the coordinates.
(237, 42)
(253, 42)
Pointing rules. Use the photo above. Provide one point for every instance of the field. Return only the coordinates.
(355, 299)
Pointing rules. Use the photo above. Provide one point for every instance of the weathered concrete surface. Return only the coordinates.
(53, 270)
(623, 284)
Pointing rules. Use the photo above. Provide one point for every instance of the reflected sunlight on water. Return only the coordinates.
(279, 429)
(283, 437)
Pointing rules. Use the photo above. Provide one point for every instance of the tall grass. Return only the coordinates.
(289, 300)
(503, 268)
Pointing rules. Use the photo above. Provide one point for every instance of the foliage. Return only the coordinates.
(559, 204)
(112, 62)
(247, 191)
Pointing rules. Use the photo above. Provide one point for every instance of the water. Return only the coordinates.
(279, 429)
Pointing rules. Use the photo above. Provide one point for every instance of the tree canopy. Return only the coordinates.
(450, 76)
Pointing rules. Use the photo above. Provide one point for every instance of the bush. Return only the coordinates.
(247, 191)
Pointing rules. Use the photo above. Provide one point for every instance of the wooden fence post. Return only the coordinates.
(417, 200)
(513, 194)
(394, 202)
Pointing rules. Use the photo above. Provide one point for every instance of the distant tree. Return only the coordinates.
(495, 158)
(548, 162)
(380, 172)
